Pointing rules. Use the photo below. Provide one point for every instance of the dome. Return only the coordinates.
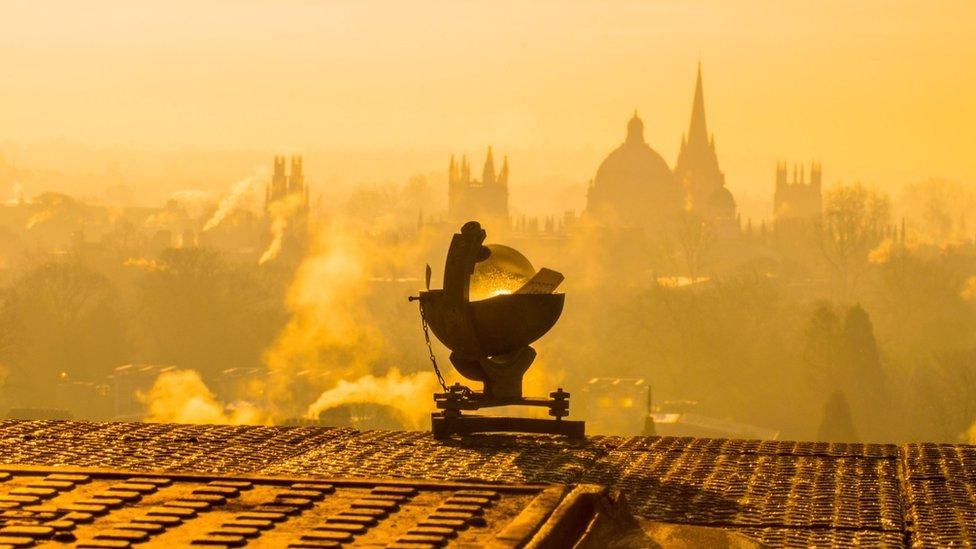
(721, 204)
(634, 185)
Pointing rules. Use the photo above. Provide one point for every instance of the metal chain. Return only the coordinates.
(430, 350)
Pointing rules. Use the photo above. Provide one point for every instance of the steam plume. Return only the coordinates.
(281, 212)
(230, 202)
(397, 391)
(18, 194)
(332, 330)
(144, 263)
(968, 293)
(38, 218)
(881, 254)
(180, 396)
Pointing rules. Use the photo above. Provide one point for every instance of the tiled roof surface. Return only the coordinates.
(781, 493)
(111, 509)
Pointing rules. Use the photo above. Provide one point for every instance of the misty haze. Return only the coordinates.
(762, 217)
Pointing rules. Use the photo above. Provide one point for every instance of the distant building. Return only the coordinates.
(284, 187)
(799, 200)
(485, 200)
(634, 187)
(286, 200)
(697, 168)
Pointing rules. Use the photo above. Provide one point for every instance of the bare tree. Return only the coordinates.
(63, 318)
(689, 242)
(853, 223)
(938, 209)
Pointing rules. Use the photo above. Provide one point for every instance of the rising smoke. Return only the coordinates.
(234, 200)
(281, 212)
(18, 192)
(39, 218)
(394, 390)
(180, 396)
(331, 344)
(333, 333)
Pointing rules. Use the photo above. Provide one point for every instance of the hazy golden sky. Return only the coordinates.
(879, 91)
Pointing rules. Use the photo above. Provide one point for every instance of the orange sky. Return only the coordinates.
(879, 91)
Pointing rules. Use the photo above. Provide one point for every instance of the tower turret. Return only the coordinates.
(780, 175)
(485, 200)
(289, 186)
(279, 180)
(488, 173)
(503, 175)
(798, 200)
(296, 181)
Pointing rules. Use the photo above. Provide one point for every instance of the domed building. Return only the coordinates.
(634, 186)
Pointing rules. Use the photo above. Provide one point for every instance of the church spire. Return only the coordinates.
(488, 175)
(697, 166)
(698, 131)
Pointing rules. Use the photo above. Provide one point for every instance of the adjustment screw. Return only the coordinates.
(559, 394)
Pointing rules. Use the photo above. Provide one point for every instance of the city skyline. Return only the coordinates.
(308, 77)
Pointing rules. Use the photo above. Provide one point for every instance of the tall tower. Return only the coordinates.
(485, 200)
(296, 181)
(697, 168)
(287, 198)
(800, 200)
(282, 184)
(279, 181)
(488, 173)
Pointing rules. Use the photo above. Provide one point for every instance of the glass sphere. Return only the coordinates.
(505, 271)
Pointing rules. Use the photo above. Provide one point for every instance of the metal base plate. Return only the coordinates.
(444, 426)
